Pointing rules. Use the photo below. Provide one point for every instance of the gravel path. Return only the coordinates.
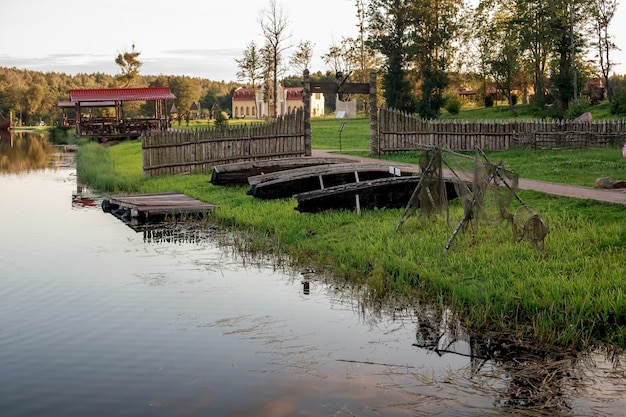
(616, 196)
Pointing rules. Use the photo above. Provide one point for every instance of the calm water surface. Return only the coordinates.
(100, 320)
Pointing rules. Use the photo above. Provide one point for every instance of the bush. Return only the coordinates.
(618, 103)
(453, 105)
(221, 120)
(488, 101)
(576, 109)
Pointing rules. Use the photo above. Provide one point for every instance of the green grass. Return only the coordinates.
(501, 111)
(568, 166)
(573, 293)
(354, 136)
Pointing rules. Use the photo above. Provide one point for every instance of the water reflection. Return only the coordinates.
(23, 151)
(523, 378)
(179, 319)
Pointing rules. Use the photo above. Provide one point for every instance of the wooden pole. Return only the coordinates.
(374, 146)
(306, 103)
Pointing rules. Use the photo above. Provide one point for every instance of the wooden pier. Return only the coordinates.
(155, 206)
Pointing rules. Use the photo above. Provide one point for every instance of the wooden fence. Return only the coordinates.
(185, 151)
(399, 131)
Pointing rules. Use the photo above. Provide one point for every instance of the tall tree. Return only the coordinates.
(274, 25)
(566, 23)
(250, 65)
(129, 64)
(536, 40)
(360, 46)
(390, 32)
(435, 26)
(186, 92)
(251, 68)
(603, 12)
(501, 47)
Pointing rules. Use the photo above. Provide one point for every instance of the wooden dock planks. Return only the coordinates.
(160, 204)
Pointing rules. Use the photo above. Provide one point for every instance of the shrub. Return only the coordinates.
(221, 120)
(453, 105)
(488, 101)
(576, 109)
(618, 102)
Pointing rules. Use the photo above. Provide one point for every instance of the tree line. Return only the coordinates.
(32, 97)
(426, 50)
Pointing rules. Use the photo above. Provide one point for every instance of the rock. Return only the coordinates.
(605, 182)
(619, 184)
(584, 118)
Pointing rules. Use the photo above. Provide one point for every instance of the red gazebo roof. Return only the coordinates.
(122, 94)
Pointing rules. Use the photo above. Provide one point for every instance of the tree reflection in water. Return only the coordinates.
(24, 151)
(531, 379)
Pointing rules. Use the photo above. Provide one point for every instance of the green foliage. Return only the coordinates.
(110, 169)
(129, 64)
(453, 104)
(618, 103)
(576, 109)
(488, 100)
(34, 96)
(433, 85)
(221, 119)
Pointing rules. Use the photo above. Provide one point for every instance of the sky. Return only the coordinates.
(197, 38)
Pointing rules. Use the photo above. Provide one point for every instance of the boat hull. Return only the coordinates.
(237, 173)
(367, 195)
(288, 183)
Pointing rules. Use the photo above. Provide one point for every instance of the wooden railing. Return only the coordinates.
(104, 128)
(401, 131)
(185, 151)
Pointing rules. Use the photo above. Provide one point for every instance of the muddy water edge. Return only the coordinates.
(101, 319)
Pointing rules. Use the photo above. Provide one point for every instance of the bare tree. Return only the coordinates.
(274, 23)
(129, 63)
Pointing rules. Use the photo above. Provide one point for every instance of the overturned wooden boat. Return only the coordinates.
(392, 192)
(237, 173)
(290, 182)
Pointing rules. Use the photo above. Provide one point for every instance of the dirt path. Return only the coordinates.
(617, 196)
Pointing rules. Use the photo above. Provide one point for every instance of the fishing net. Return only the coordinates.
(527, 223)
(486, 191)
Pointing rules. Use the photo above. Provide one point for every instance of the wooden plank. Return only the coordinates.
(160, 204)
(237, 173)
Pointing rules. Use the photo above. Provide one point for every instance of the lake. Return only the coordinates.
(101, 320)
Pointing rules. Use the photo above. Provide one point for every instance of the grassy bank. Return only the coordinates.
(573, 293)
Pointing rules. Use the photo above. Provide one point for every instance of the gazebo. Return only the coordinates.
(103, 128)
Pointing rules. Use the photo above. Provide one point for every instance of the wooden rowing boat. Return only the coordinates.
(237, 173)
(393, 192)
(290, 182)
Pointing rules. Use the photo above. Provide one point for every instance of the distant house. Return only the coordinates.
(250, 104)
